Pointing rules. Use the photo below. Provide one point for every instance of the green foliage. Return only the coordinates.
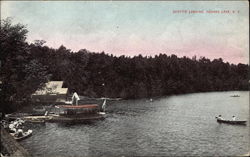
(100, 74)
(26, 67)
(20, 75)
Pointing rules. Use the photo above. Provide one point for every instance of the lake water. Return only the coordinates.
(169, 126)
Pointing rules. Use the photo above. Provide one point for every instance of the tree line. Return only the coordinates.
(27, 67)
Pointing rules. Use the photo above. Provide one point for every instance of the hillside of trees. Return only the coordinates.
(99, 74)
(26, 67)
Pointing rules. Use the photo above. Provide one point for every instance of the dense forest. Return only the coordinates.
(26, 67)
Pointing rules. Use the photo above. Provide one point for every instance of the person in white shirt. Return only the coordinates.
(19, 133)
(219, 117)
(234, 118)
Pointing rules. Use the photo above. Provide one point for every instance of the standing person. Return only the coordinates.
(234, 118)
(220, 117)
(12, 127)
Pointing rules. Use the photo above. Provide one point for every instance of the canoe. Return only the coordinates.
(25, 135)
(239, 122)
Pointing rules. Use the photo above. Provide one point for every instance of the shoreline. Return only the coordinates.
(12, 147)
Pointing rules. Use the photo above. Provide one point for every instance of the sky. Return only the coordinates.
(130, 28)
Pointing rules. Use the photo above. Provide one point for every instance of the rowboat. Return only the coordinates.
(24, 135)
(236, 122)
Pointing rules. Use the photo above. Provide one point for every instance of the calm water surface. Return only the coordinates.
(169, 126)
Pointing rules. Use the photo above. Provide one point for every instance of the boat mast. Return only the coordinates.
(104, 105)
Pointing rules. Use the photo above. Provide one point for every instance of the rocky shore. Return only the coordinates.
(10, 147)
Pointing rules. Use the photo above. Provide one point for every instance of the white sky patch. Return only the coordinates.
(133, 28)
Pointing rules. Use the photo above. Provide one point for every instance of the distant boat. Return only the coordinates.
(234, 96)
(15, 116)
(235, 122)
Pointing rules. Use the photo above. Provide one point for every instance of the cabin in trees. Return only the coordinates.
(52, 93)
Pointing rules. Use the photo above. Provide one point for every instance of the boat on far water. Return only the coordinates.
(234, 122)
(234, 96)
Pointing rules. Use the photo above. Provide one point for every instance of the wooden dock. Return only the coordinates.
(57, 118)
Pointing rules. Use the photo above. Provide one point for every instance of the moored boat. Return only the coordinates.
(77, 113)
(72, 111)
(236, 122)
(21, 135)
